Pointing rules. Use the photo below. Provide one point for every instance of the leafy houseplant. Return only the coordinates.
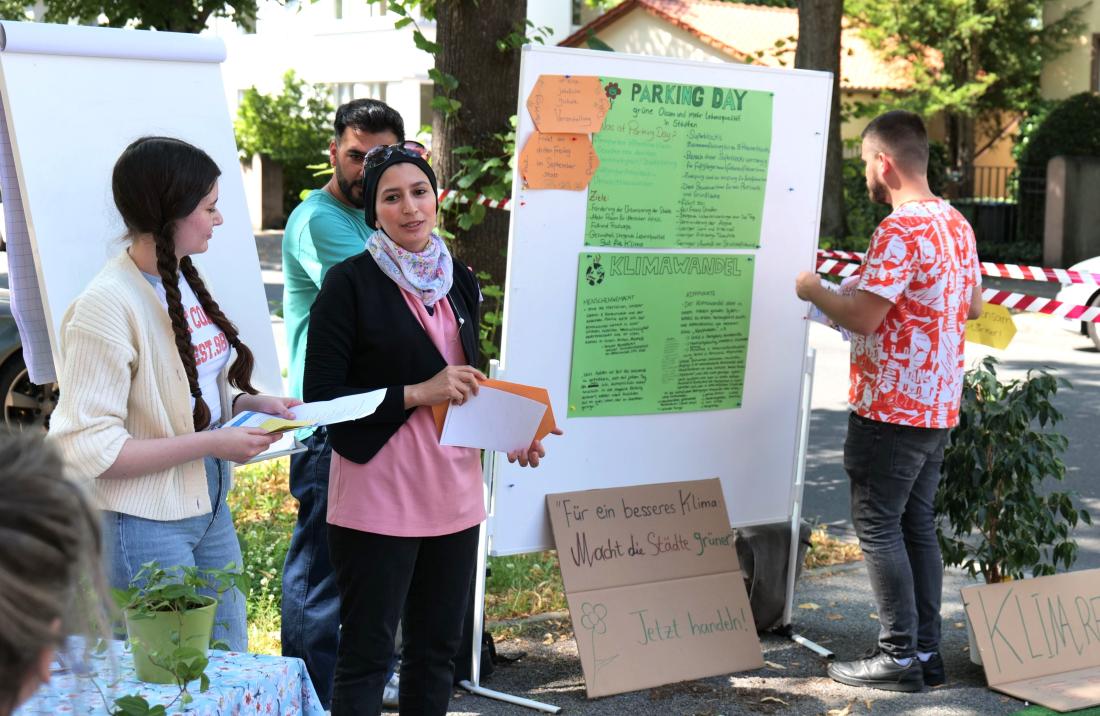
(994, 518)
(169, 620)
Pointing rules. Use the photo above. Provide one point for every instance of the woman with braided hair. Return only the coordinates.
(146, 373)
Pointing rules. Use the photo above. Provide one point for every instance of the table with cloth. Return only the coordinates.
(239, 684)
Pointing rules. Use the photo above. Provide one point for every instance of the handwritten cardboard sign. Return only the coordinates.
(653, 585)
(564, 103)
(993, 328)
(558, 161)
(1040, 638)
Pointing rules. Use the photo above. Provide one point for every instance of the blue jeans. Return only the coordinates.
(894, 472)
(311, 601)
(207, 541)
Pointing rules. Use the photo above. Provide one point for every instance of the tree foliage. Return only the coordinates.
(1071, 128)
(997, 518)
(170, 15)
(992, 54)
(291, 128)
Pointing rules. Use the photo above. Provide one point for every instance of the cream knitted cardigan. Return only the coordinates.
(121, 377)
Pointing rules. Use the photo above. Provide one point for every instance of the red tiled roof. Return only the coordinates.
(749, 33)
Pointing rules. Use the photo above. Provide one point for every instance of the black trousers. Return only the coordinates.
(377, 576)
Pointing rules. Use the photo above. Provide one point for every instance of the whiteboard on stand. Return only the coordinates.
(752, 449)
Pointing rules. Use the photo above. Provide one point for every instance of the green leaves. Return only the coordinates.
(996, 518)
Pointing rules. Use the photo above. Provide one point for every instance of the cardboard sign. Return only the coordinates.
(562, 103)
(1040, 638)
(558, 161)
(653, 584)
(993, 328)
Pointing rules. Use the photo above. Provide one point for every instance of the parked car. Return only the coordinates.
(26, 405)
(1083, 294)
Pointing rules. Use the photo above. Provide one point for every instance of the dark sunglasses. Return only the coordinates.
(382, 153)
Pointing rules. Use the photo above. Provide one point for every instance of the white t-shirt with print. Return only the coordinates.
(209, 341)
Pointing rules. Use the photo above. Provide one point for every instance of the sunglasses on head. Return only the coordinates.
(382, 153)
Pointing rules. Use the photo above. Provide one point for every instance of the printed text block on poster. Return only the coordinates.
(681, 166)
(659, 333)
(654, 587)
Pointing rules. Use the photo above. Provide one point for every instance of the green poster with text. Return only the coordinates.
(659, 333)
(681, 166)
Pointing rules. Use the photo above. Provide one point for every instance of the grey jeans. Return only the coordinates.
(894, 472)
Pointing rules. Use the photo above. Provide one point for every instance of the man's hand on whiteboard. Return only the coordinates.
(533, 454)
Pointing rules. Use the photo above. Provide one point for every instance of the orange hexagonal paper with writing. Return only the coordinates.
(564, 103)
(558, 161)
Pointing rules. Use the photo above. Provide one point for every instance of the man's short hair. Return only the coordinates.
(902, 135)
(369, 115)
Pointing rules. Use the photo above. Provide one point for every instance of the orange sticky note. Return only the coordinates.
(558, 161)
(563, 103)
(439, 410)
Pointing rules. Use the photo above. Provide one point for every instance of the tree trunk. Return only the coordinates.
(819, 49)
(488, 87)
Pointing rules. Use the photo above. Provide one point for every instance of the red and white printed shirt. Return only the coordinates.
(923, 259)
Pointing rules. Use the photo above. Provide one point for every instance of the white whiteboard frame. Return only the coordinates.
(74, 97)
(545, 239)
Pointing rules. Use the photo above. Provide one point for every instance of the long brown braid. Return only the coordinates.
(157, 182)
(240, 373)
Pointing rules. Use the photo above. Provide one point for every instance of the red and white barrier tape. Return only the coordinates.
(1008, 299)
(837, 268)
(996, 270)
(504, 204)
(1037, 273)
(1023, 302)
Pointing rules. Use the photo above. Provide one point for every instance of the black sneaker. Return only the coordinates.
(934, 674)
(879, 672)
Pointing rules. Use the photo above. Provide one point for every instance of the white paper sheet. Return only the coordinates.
(493, 420)
(322, 412)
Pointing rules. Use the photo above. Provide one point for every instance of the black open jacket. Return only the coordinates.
(362, 336)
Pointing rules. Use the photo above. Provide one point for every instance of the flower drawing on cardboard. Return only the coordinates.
(594, 620)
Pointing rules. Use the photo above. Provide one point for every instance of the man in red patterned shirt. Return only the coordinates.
(919, 284)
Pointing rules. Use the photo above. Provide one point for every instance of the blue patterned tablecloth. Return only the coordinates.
(239, 684)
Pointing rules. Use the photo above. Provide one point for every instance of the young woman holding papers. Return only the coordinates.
(145, 365)
(403, 510)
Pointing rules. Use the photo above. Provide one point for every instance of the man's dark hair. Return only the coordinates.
(902, 135)
(369, 115)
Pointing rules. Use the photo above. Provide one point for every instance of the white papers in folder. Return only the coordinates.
(493, 420)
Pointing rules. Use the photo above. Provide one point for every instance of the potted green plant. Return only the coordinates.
(169, 617)
(995, 516)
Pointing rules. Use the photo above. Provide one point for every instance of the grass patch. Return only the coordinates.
(523, 584)
(264, 513)
(518, 585)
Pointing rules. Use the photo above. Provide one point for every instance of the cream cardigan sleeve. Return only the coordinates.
(96, 372)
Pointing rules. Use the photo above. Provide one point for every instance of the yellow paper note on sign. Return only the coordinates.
(995, 327)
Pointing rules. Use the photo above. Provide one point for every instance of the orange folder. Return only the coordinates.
(439, 410)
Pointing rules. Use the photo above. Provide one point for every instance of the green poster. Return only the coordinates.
(659, 333)
(682, 166)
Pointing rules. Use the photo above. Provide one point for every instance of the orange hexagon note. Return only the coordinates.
(564, 103)
(558, 161)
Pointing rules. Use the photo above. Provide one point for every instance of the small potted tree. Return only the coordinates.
(995, 517)
(169, 619)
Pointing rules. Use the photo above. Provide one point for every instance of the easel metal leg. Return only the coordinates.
(508, 698)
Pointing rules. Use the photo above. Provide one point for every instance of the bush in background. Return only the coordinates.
(292, 128)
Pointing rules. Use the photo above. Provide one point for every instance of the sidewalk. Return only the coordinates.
(793, 680)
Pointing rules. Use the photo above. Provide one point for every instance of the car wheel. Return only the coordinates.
(26, 405)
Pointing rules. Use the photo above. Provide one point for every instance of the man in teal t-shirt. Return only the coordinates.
(322, 231)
